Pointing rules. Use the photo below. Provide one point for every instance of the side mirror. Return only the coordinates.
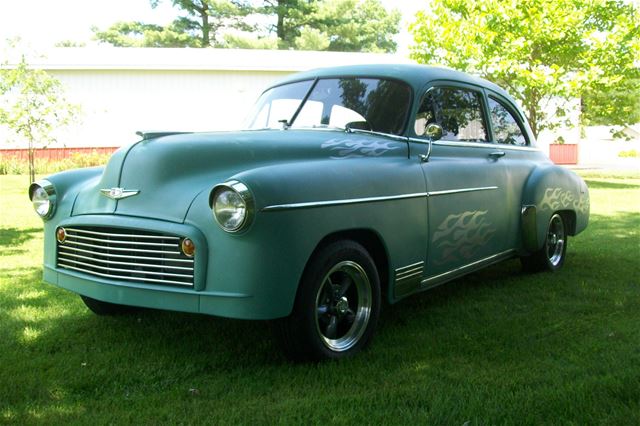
(433, 131)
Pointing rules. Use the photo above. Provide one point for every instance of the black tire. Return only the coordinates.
(552, 254)
(105, 308)
(336, 308)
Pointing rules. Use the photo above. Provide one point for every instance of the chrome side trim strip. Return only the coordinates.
(399, 270)
(409, 271)
(460, 191)
(151, 280)
(417, 274)
(467, 268)
(314, 204)
(407, 278)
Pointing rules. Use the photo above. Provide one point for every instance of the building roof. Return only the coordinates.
(114, 58)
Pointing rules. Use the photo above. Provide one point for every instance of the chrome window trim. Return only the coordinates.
(476, 145)
(327, 203)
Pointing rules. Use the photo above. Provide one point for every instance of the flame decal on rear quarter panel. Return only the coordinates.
(557, 198)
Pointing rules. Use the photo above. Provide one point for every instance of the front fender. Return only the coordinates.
(279, 242)
(550, 189)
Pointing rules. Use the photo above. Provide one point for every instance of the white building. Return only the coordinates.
(123, 90)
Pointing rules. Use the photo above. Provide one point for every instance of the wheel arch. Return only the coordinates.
(551, 189)
(371, 241)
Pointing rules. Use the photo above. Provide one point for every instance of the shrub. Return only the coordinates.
(632, 153)
(16, 166)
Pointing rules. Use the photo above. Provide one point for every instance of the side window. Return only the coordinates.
(458, 111)
(505, 126)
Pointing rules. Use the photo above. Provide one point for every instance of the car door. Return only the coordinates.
(510, 135)
(466, 181)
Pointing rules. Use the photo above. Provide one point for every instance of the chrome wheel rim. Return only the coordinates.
(343, 306)
(555, 240)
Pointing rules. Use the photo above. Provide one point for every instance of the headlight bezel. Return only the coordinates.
(245, 195)
(50, 193)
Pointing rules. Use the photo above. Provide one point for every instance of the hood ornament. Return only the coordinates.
(119, 193)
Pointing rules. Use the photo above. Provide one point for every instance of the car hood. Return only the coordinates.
(169, 172)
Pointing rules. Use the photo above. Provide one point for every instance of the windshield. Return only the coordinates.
(358, 103)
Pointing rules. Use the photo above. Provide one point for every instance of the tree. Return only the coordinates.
(33, 106)
(358, 25)
(138, 34)
(201, 26)
(291, 16)
(545, 52)
(338, 25)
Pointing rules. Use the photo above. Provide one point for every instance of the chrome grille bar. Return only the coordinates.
(132, 271)
(71, 256)
(126, 254)
(137, 243)
(109, 234)
(127, 249)
(122, 277)
(123, 256)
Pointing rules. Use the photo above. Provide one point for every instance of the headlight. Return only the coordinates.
(43, 198)
(232, 205)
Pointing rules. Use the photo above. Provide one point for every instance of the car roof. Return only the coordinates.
(413, 74)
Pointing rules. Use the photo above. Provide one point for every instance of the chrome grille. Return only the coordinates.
(126, 254)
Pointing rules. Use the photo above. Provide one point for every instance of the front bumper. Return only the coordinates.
(149, 296)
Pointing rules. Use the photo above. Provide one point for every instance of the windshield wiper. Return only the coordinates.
(288, 124)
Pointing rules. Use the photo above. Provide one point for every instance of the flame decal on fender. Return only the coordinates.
(349, 148)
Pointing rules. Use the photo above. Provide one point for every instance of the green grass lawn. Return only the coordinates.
(496, 347)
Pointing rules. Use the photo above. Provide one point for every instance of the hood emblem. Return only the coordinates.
(119, 193)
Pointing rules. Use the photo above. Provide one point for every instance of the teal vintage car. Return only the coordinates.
(347, 188)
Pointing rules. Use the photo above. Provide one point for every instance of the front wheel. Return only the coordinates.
(337, 305)
(551, 256)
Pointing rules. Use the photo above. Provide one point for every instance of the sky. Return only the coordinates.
(42, 23)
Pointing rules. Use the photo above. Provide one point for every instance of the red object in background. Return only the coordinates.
(564, 153)
(54, 154)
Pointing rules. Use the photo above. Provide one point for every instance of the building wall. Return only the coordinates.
(117, 103)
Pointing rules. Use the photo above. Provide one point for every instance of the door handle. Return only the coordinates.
(497, 154)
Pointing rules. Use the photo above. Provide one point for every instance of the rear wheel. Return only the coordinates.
(337, 305)
(99, 307)
(552, 254)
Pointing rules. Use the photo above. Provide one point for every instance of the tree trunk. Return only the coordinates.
(32, 162)
(282, 11)
(205, 42)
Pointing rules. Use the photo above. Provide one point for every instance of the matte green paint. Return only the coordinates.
(255, 274)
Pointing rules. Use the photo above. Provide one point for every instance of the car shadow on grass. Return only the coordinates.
(12, 239)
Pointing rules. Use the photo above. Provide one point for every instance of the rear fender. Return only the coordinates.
(550, 189)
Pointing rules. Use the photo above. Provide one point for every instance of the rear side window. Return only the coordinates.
(458, 111)
(506, 128)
